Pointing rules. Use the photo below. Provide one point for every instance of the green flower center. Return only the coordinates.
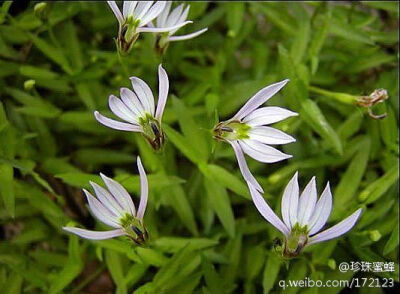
(152, 131)
(134, 228)
(296, 241)
(231, 130)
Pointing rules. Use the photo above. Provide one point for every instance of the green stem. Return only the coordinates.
(122, 64)
(341, 97)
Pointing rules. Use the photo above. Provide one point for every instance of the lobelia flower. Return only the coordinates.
(247, 133)
(133, 19)
(168, 18)
(137, 108)
(304, 217)
(115, 208)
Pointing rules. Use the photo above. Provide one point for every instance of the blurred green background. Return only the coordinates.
(57, 67)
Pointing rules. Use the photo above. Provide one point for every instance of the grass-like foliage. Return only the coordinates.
(59, 63)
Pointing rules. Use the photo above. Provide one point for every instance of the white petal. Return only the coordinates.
(262, 152)
(174, 16)
(141, 9)
(244, 169)
(107, 200)
(128, 7)
(259, 98)
(144, 190)
(153, 12)
(120, 194)
(116, 12)
(121, 110)
(322, 211)
(100, 212)
(162, 30)
(337, 230)
(132, 102)
(186, 37)
(94, 235)
(144, 94)
(307, 203)
(268, 115)
(163, 86)
(116, 124)
(267, 212)
(162, 17)
(184, 15)
(290, 201)
(268, 135)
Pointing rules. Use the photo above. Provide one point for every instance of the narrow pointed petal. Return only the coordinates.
(162, 30)
(121, 110)
(144, 94)
(321, 212)
(184, 14)
(267, 212)
(144, 190)
(337, 230)
(163, 87)
(259, 98)
(267, 115)
(117, 125)
(132, 102)
(290, 201)
(141, 9)
(262, 152)
(120, 194)
(244, 169)
(174, 16)
(100, 212)
(162, 17)
(268, 135)
(187, 37)
(153, 12)
(107, 200)
(307, 202)
(116, 12)
(94, 235)
(128, 7)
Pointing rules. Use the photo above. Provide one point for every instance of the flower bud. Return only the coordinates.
(41, 10)
(332, 263)
(375, 235)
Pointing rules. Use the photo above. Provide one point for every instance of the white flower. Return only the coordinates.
(304, 216)
(137, 109)
(114, 207)
(176, 17)
(134, 18)
(247, 133)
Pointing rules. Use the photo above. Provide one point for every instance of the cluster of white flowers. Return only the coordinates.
(247, 132)
(137, 17)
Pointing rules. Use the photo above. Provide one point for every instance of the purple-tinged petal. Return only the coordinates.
(116, 12)
(117, 125)
(144, 190)
(128, 7)
(101, 212)
(337, 230)
(107, 200)
(162, 17)
(244, 169)
(262, 152)
(267, 212)
(144, 94)
(267, 115)
(307, 203)
(141, 9)
(187, 37)
(258, 99)
(268, 135)
(120, 194)
(321, 212)
(152, 13)
(174, 16)
(132, 102)
(290, 201)
(162, 30)
(94, 235)
(121, 110)
(163, 87)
